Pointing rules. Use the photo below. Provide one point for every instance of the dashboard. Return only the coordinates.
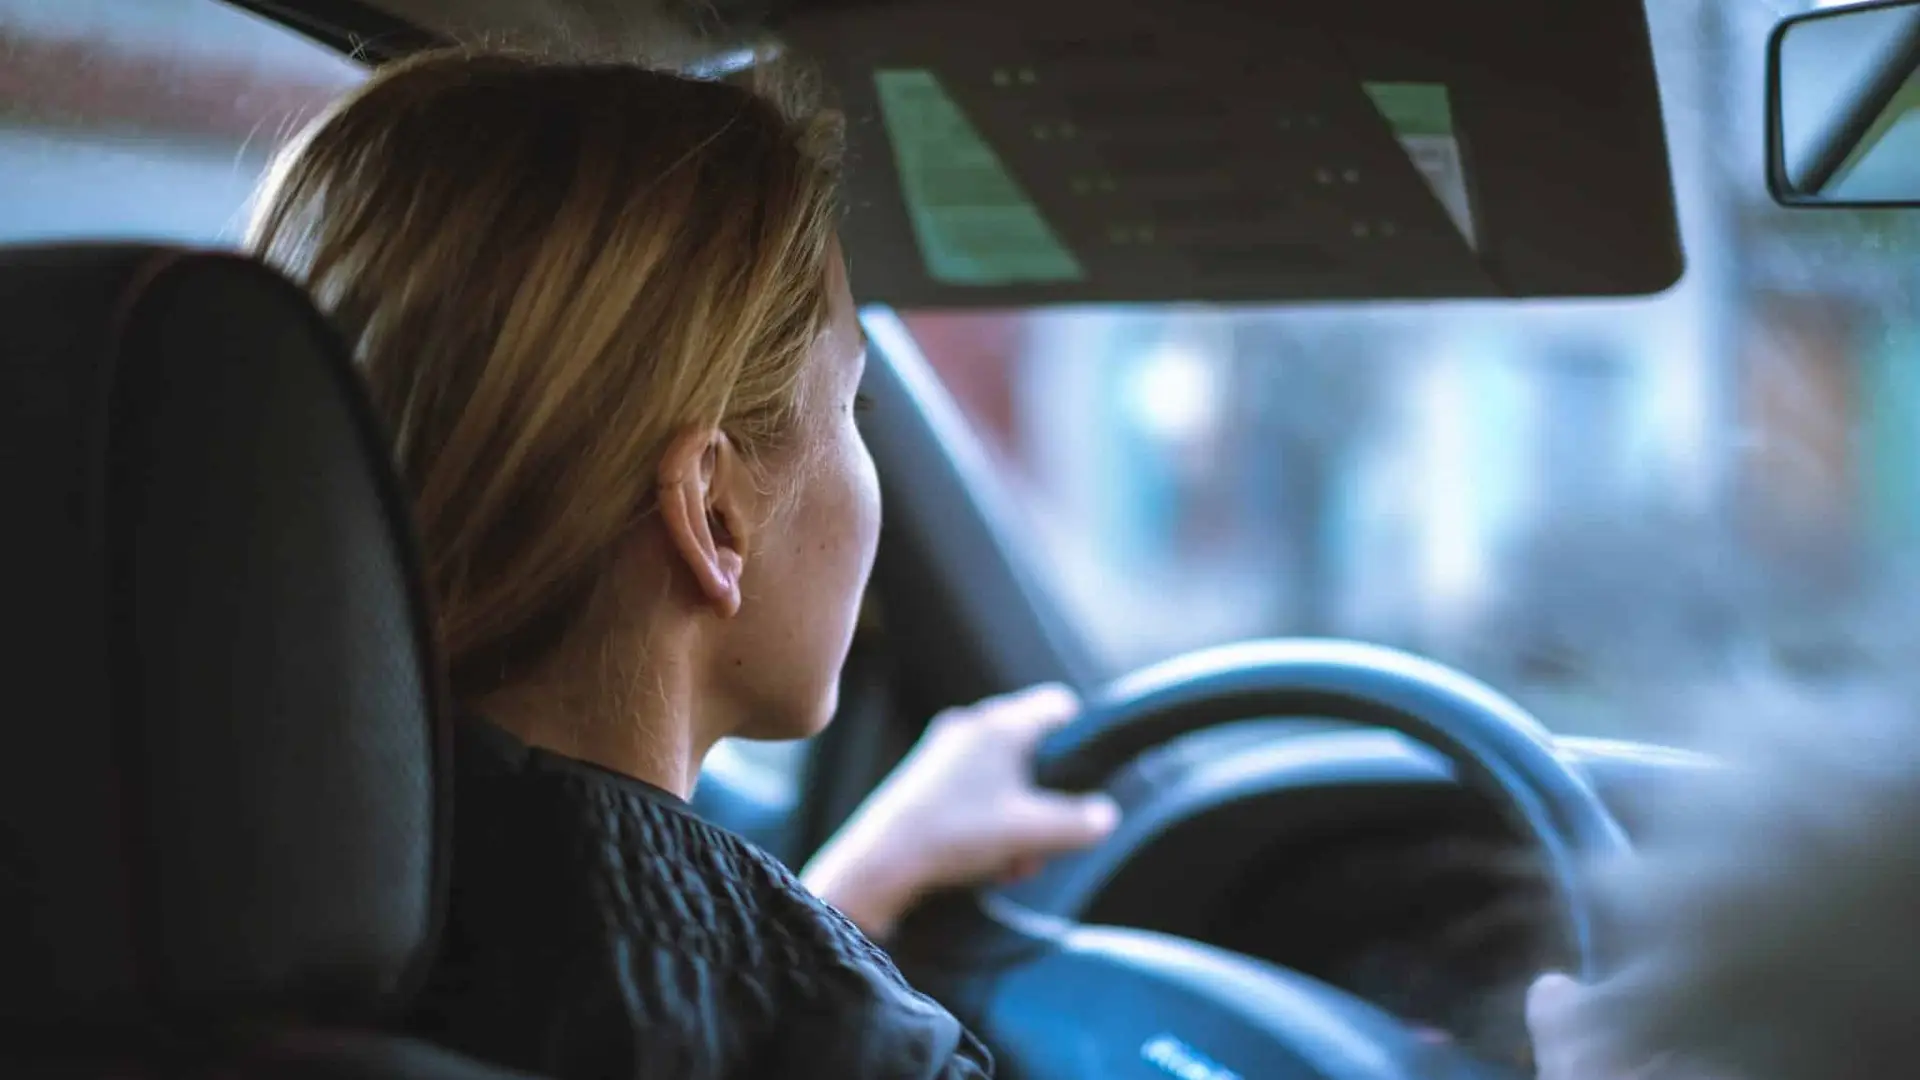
(1352, 855)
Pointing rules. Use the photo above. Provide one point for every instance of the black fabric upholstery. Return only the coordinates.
(218, 798)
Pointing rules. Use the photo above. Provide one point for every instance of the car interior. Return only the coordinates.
(224, 815)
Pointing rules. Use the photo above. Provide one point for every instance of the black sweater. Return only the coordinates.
(599, 930)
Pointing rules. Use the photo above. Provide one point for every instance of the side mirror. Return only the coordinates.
(1843, 107)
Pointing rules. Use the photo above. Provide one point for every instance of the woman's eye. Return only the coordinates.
(862, 403)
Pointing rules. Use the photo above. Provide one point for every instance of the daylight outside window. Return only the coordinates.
(1601, 506)
(1598, 505)
(146, 119)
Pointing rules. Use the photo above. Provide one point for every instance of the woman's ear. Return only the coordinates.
(703, 513)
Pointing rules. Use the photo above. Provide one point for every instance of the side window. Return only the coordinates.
(146, 119)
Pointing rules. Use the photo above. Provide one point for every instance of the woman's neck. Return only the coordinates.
(641, 724)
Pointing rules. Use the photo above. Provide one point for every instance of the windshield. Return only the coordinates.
(1590, 505)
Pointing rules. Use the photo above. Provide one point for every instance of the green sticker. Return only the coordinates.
(1413, 108)
(1421, 116)
(974, 224)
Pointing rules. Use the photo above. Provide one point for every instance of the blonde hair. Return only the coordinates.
(546, 270)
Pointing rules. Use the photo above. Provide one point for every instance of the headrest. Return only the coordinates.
(218, 793)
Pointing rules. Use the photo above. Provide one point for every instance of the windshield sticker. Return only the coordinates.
(974, 224)
(1421, 115)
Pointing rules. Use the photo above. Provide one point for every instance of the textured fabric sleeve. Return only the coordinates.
(870, 1026)
(659, 1013)
(601, 931)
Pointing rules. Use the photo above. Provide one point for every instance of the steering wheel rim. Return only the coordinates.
(1496, 745)
(957, 943)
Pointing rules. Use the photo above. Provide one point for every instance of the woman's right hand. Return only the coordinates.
(961, 810)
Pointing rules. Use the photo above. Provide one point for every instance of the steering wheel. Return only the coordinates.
(1148, 1005)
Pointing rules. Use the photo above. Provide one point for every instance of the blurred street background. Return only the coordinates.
(1597, 506)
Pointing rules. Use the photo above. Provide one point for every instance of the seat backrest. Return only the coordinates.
(220, 807)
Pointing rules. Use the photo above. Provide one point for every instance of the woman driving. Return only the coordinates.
(604, 312)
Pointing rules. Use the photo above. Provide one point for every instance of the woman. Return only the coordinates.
(605, 314)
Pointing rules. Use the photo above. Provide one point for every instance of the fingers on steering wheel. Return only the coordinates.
(1046, 707)
(1021, 869)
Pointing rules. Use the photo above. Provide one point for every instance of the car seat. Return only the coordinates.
(222, 815)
